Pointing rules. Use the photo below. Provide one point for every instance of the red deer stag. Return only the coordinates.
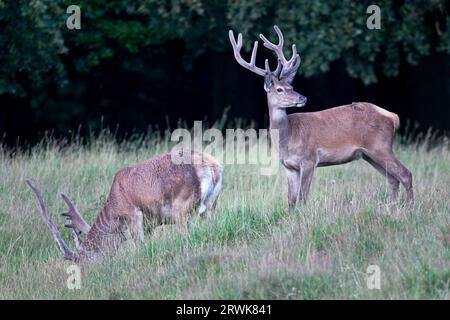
(330, 137)
(156, 191)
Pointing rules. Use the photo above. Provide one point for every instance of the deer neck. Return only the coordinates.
(102, 229)
(279, 121)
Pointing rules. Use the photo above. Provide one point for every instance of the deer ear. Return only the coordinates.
(268, 81)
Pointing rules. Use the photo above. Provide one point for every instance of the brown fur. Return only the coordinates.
(336, 136)
(337, 133)
(155, 191)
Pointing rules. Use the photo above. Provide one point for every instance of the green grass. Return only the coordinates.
(250, 249)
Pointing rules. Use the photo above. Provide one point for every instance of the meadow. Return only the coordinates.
(252, 248)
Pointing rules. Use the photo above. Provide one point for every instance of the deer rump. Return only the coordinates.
(155, 191)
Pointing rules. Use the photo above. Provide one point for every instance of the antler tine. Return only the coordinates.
(288, 67)
(278, 48)
(68, 254)
(254, 51)
(77, 240)
(277, 71)
(279, 68)
(237, 46)
(77, 221)
(280, 36)
(266, 65)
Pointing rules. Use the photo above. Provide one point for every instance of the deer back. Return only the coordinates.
(159, 188)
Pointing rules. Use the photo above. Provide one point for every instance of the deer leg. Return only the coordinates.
(307, 172)
(395, 168)
(136, 227)
(399, 171)
(293, 177)
(393, 182)
(181, 212)
(211, 201)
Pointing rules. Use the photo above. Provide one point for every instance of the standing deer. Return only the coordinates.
(157, 191)
(330, 137)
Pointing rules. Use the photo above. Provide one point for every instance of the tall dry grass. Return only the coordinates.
(251, 248)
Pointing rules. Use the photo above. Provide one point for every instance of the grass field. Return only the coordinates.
(250, 249)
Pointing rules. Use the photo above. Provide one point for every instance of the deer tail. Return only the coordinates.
(396, 120)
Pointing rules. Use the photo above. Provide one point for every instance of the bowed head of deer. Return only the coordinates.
(153, 192)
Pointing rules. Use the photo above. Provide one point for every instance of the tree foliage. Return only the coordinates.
(37, 49)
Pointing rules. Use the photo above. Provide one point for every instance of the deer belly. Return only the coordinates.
(327, 157)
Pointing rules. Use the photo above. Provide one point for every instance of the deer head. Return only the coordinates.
(277, 84)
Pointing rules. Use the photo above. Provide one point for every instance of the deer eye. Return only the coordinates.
(279, 89)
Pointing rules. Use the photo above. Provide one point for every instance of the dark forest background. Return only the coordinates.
(136, 64)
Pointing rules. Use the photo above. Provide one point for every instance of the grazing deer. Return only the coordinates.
(330, 137)
(157, 191)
